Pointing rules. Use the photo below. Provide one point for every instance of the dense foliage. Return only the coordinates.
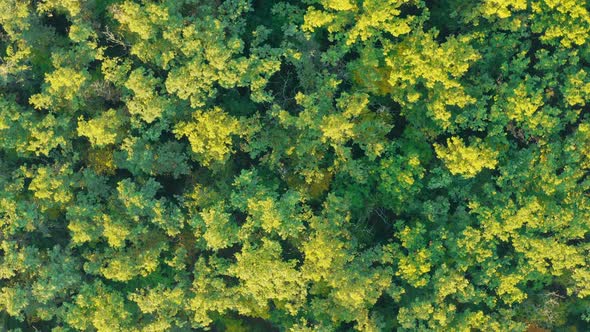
(314, 165)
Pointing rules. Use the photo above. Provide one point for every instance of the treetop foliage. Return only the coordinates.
(314, 165)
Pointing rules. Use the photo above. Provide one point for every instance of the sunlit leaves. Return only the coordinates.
(322, 165)
(210, 134)
(467, 160)
(102, 130)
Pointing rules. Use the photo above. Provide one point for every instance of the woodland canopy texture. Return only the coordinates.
(312, 165)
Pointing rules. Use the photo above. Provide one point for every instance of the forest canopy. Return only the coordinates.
(313, 165)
